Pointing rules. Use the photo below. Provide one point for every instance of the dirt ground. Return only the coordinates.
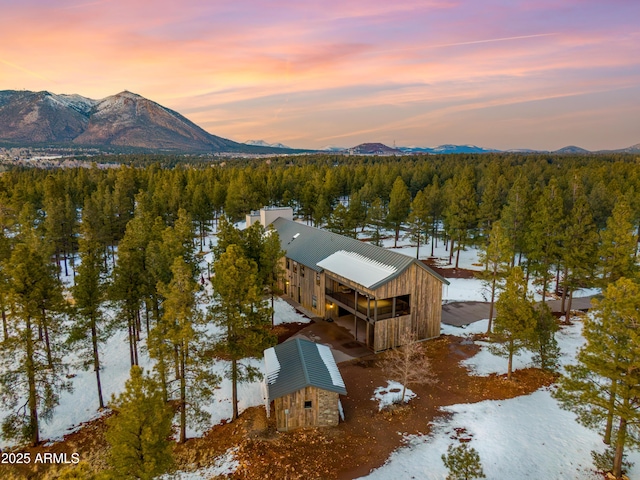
(435, 265)
(361, 443)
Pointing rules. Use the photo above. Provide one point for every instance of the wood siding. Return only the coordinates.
(322, 413)
(388, 333)
(426, 308)
(425, 292)
(307, 287)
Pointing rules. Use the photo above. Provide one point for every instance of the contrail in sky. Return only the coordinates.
(18, 67)
(458, 44)
(503, 39)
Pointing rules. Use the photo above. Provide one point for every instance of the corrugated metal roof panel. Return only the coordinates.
(301, 365)
(310, 246)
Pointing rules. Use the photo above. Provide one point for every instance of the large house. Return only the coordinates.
(384, 293)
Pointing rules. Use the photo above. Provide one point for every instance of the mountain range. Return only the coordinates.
(121, 120)
(128, 120)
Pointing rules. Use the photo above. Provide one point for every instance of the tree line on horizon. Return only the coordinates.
(137, 232)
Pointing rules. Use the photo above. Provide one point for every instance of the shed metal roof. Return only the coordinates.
(310, 246)
(302, 365)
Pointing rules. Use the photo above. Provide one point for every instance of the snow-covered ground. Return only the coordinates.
(224, 465)
(392, 393)
(459, 289)
(81, 405)
(523, 437)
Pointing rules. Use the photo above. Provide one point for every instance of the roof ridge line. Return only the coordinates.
(302, 361)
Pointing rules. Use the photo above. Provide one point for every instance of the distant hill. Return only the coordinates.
(373, 149)
(122, 120)
(632, 149)
(572, 149)
(262, 143)
(448, 148)
(332, 148)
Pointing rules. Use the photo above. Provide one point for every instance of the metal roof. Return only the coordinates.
(310, 246)
(300, 366)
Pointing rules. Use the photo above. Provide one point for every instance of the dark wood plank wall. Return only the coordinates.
(426, 306)
(308, 287)
(298, 415)
(424, 288)
(388, 333)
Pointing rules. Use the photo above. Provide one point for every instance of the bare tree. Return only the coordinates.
(408, 364)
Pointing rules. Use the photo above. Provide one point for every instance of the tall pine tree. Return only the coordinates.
(139, 432)
(603, 388)
(515, 320)
(241, 313)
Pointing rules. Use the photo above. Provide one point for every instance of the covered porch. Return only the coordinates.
(359, 311)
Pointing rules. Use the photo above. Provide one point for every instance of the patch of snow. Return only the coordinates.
(528, 437)
(464, 290)
(391, 394)
(330, 363)
(285, 313)
(466, 331)
(485, 363)
(225, 464)
(271, 365)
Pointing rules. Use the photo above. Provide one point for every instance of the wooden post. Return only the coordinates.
(375, 310)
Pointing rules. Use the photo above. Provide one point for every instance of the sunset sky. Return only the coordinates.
(496, 73)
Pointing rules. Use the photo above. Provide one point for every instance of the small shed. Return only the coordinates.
(304, 383)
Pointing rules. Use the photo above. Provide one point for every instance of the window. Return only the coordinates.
(317, 279)
(314, 301)
(307, 404)
(302, 270)
(288, 265)
(295, 267)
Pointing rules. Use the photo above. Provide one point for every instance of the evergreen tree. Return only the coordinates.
(461, 211)
(435, 204)
(545, 234)
(494, 188)
(618, 245)
(88, 292)
(31, 357)
(241, 313)
(579, 253)
(515, 216)
(515, 320)
(130, 283)
(603, 388)
(321, 210)
(399, 207)
(340, 222)
(418, 220)
(227, 235)
(543, 342)
(181, 327)
(377, 219)
(357, 212)
(463, 463)
(139, 432)
(496, 256)
(271, 268)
